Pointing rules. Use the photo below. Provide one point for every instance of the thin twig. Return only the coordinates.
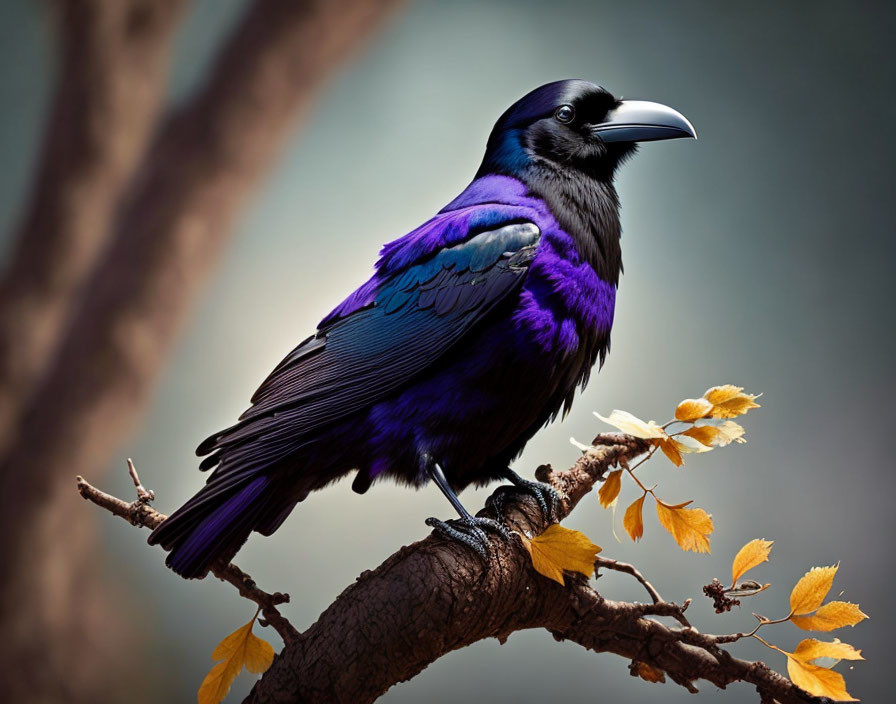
(674, 610)
(140, 513)
(625, 567)
(142, 493)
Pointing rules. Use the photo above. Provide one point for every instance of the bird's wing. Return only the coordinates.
(418, 313)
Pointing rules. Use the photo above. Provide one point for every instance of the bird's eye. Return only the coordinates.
(565, 114)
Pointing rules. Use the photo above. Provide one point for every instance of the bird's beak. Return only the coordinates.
(643, 121)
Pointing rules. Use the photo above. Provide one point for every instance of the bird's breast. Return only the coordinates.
(564, 305)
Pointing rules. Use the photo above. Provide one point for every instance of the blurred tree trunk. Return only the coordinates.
(112, 65)
(169, 228)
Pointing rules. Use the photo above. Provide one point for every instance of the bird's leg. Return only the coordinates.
(468, 529)
(547, 497)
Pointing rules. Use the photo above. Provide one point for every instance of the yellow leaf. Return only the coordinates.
(716, 435)
(735, 407)
(705, 434)
(729, 432)
(819, 681)
(729, 401)
(559, 549)
(670, 450)
(692, 409)
(241, 648)
(609, 492)
(722, 394)
(811, 590)
(689, 526)
(815, 679)
(633, 521)
(649, 673)
(753, 553)
(811, 649)
(632, 425)
(835, 614)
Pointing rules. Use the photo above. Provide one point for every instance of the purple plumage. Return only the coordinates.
(474, 331)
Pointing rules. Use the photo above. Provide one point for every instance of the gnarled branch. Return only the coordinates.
(435, 596)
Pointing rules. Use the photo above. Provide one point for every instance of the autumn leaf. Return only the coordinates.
(716, 435)
(689, 526)
(722, 394)
(815, 679)
(729, 401)
(692, 409)
(609, 492)
(633, 425)
(670, 450)
(633, 521)
(811, 590)
(242, 648)
(729, 432)
(818, 680)
(559, 549)
(834, 614)
(705, 434)
(649, 672)
(811, 649)
(753, 553)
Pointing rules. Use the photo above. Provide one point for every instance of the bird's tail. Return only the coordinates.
(214, 524)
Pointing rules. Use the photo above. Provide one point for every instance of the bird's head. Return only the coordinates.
(579, 125)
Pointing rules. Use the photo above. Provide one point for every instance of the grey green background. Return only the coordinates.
(760, 255)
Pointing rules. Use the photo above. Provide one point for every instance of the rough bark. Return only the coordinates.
(112, 65)
(169, 229)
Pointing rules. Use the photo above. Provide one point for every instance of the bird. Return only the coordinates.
(474, 331)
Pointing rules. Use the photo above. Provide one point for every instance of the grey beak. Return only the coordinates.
(643, 121)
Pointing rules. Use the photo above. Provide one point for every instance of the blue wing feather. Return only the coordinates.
(417, 315)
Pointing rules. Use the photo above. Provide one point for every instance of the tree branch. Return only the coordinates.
(436, 596)
(140, 513)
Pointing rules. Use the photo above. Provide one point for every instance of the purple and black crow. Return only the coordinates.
(474, 331)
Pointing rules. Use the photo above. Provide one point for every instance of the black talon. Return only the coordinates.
(468, 529)
(547, 497)
(498, 499)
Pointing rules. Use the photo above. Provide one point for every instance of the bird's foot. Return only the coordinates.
(470, 531)
(545, 495)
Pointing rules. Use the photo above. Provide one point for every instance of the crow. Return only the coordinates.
(474, 331)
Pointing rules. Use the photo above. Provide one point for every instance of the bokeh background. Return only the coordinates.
(760, 255)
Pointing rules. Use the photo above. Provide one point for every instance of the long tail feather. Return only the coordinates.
(206, 529)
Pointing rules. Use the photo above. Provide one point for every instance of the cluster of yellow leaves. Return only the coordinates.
(719, 402)
(690, 527)
(560, 549)
(242, 648)
(807, 597)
